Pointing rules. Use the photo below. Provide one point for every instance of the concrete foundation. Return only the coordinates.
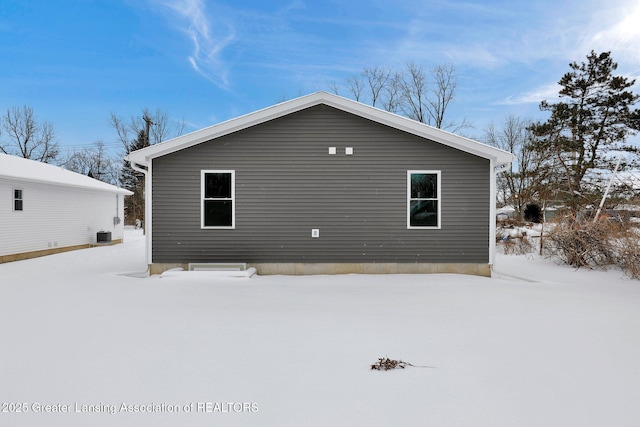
(300, 269)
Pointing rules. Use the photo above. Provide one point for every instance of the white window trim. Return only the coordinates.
(232, 199)
(13, 199)
(439, 199)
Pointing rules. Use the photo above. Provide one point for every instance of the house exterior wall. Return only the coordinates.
(54, 218)
(287, 184)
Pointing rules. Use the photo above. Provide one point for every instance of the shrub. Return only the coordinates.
(600, 244)
(629, 254)
(517, 246)
(513, 240)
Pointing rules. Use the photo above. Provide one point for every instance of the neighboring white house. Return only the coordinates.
(46, 209)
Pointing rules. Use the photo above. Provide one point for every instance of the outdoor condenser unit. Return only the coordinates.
(103, 237)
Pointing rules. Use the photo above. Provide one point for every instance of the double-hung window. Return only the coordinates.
(218, 208)
(17, 200)
(423, 199)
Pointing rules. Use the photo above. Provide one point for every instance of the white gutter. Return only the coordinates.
(492, 225)
(147, 206)
(492, 209)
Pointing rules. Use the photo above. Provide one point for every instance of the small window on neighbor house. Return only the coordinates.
(218, 199)
(423, 199)
(17, 200)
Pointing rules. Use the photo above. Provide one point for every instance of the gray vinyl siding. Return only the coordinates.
(287, 184)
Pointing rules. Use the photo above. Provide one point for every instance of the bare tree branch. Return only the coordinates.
(122, 130)
(160, 129)
(95, 162)
(377, 79)
(28, 138)
(392, 96)
(443, 90)
(356, 87)
(333, 87)
(413, 87)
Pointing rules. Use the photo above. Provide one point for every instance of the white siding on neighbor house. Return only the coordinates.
(55, 216)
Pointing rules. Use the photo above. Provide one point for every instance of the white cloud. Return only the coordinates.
(535, 96)
(208, 40)
(621, 34)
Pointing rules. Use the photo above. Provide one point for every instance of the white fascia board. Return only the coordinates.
(423, 130)
(36, 180)
(144, 156)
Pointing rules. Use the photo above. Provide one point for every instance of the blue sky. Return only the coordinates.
(75, 62)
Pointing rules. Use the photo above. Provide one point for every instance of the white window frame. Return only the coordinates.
(438, 199)
(15, 199)
(232, 199)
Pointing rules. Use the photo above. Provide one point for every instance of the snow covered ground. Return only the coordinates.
(110, 349)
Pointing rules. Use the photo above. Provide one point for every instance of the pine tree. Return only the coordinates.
(134, 181)
(593, 118)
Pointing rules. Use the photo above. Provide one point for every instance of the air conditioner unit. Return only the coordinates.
(103, 237)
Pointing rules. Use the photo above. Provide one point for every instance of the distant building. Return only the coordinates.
(45, 209)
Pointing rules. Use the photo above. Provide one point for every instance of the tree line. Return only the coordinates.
(562, 160)
(23, 135)
(419, 94)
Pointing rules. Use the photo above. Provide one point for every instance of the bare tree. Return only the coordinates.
(413, 89)
(161, 127)
(355, 86)
(421, 96)
(443, 92)
(377, 79)
(95, 162)
(122, 130)
(26, 137)
(428, 102)
(391, 96)
(158, 124)
(333, 87)
(527, 180)
(443, 89)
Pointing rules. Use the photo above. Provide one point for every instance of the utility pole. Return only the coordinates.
(141, 180)
(148, 122)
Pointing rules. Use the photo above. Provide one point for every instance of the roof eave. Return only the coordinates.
(114, 190)
(144, 156)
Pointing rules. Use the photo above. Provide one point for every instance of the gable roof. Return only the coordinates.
(19, 169)
(144, 156)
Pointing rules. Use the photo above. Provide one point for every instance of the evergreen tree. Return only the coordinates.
(134, 181)
(593, 118)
